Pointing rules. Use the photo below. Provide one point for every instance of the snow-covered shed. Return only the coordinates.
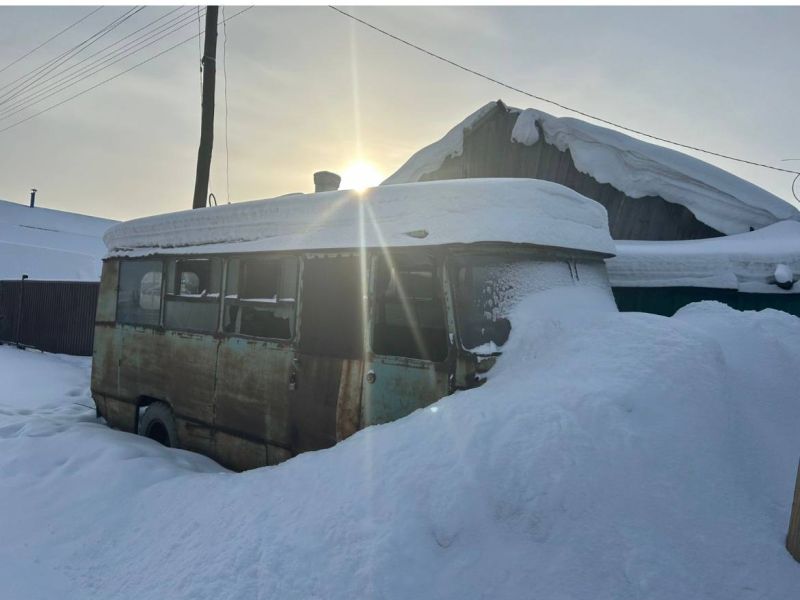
(650, 192)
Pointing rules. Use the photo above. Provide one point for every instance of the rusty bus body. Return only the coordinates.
(253, 357)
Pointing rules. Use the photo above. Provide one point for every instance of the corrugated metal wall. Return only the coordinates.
(54, 316)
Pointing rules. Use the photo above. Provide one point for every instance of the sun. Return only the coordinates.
(359, 176)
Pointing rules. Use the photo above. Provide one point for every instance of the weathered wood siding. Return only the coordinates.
(489, 152)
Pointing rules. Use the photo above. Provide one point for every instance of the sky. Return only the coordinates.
(309, 90)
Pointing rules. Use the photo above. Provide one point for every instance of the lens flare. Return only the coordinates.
(359, 176)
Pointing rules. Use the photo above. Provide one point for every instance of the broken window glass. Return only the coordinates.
(260, 297)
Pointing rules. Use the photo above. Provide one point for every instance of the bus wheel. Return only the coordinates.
(157, 423)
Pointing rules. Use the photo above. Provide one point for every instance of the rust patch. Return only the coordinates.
(348, 404)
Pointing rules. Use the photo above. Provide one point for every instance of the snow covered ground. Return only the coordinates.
(612, 456)
(50, 244)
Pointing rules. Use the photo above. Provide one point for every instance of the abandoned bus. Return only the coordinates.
(256, 331)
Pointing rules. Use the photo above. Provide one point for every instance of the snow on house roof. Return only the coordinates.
(717, 198)
(50, 244)
(747, 262)
(421, 214)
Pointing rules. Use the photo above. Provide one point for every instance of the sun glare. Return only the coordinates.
(359, 176)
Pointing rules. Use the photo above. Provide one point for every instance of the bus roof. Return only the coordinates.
(465, 211)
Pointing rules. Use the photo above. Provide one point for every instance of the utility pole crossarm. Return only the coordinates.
(207, 124)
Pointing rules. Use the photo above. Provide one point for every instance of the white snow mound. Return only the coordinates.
(608, 456)
(637, 168)
(50, 244)
(419, 214)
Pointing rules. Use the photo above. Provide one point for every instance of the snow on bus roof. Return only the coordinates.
(522, 211)
(637, 168)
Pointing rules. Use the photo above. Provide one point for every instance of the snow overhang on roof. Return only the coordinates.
(717, 198)
(523, 211)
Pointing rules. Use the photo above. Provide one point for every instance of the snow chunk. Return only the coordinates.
(523, 211)
(639, 169)
(783, 273)
(745, 261)
(525, 130)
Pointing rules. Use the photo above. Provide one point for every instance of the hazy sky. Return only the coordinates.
(310, 90)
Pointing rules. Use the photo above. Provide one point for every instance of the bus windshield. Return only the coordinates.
(487, 287)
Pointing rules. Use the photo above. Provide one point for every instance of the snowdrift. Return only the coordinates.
(716, 197)
(50, 244)
(608, 456)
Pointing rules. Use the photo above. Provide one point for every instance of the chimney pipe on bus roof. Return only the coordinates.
(325, 181)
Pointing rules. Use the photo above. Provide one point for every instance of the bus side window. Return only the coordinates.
(409, 316)
(139, 294)
(260, 297)
(193, 294)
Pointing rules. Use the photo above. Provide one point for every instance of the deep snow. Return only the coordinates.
(637, 168)
(609, 456)
(50, 244)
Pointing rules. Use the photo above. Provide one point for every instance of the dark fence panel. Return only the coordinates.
(667, 300)
(54, 316)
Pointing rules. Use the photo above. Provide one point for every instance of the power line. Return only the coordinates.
(85, 73)
(133, 47)
(33, 90)
(49, 66)
(50, 39)
(137, 65)
(553, 102)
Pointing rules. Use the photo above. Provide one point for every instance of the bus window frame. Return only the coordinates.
(223, 294)
(160, 325)
(439, 260)
(189, 299)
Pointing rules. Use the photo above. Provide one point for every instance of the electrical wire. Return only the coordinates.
(141, 43)
(49, 83)
(121, 73)
(50, 39)
(553, 102)
(794, 181)
(49, 66)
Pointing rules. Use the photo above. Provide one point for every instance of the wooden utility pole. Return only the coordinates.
(207, 125)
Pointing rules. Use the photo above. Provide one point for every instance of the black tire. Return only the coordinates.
(158, 423)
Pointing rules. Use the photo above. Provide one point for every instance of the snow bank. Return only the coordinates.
(420, 214)
(608, 456)
(748, 262)
(50, 244)
(716, 197)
